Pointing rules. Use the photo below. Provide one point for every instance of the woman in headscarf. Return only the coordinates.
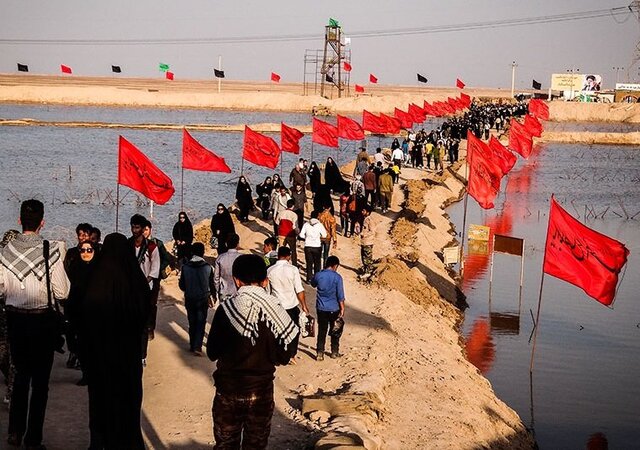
(333, 178)
(114, 314)
(79, 272)
(314, 177)
(264, 190)
(322, 199)
(244, 198)
(6, 367)
(277, 181)
(221, 227)
(183, 236)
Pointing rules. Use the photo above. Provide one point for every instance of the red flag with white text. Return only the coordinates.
(539, 108)
(349, 129)
(196, 157)
(290, 139)
(137, 171)
(581, 256)
(324, 133)
(406, 119)
(260, 149)
(505, 157)
(532, 125)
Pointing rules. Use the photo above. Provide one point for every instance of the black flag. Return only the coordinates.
(536, 85)
(329, 78)
(116, 69)
(218, 73)
(23, 68)
(422, 79)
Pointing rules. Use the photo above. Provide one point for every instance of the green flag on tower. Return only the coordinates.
(163, 67)
(333, 23)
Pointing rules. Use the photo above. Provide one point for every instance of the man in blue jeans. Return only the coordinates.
(196, 280)
(329, 305)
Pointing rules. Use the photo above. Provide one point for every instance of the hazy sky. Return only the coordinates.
(479, 57)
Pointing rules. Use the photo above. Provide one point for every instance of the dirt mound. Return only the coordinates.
(202, 233)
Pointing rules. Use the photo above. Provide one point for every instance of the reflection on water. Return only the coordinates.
(479, 345)
(587, 372)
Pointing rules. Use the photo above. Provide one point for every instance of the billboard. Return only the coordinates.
(627, 93)
(576, 82)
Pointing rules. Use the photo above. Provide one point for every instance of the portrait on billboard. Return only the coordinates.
(592, 83)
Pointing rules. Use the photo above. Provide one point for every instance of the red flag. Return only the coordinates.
(65, 69)
(359, 88)
(418, 114)
(428, 109)
(347, 67)
(275, 77)
(168, 75)
(393, 125)
(196, 157)
(532, 125)
(406, 119)
(324, 133)
(137, 171)
(459, 83)
(373, 123)
(349, 129)
(290, 139)
(453, 103)
(581, 256)
(466, 99)
(483, 183)
(539, 109)
(520, 141)
(478, 149)
(505, 157)
(372, 79)
(260, 149)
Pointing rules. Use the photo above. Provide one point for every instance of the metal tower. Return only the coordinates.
(332, 59)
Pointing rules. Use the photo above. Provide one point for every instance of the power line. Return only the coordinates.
(585, 15)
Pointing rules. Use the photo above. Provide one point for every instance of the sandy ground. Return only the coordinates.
(403, 382)
(255, 96)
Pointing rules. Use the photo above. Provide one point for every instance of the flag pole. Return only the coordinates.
(493, 253)
(151, 209)
(219, 68)
(535, 325)
(117, 203)
(521, 277)
(242, 167)
(311, 150)
(281, 163)
(464, 217)
(182, 189)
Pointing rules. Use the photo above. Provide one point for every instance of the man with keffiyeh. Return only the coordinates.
(250, 335)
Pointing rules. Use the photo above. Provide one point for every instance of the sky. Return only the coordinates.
(480, 57)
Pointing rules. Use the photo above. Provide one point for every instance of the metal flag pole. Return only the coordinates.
(464, 217)
(521, 277)
(182, 189)
(219, 68)
(281, 163)
(242, 167)
(151, 209)
(493, 253)
(117, 203)
(311, 150)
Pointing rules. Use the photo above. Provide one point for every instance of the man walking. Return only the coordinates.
(329, 222)
(385, 184)
(32, 330)
(285, 284)
(222, 269)
(329, 305)
(288, 230)
(312, 232)
(196, 280)
(148, 256)
(250, 335)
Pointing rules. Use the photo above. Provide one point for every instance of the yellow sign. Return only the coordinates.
(567, 82)
(479, 233)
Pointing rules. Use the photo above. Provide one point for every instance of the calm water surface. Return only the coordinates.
(586, 381)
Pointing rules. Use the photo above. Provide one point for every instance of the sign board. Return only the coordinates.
(576, 82)
(479, 233)
(508, 244)
(451, 255)
(478, 247)
(627, 87)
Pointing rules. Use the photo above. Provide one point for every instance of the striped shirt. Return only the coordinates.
(31, 293)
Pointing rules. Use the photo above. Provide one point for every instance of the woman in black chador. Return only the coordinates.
(114, 315)
(221, 227)
(333, 178)
(183, 236)
(314, 177)
(264, 190)
(244, 198)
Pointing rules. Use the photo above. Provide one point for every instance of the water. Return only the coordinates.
(586, 383)
(609, 127)
(35, 163)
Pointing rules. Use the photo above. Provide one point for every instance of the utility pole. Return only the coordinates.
(617, 69)
(513, 77)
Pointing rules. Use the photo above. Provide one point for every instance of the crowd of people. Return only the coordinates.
(261, 311)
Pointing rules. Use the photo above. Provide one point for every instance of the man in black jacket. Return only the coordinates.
(196, 280)
(250, 335)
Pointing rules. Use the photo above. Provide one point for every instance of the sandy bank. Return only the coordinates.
(255, 96)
